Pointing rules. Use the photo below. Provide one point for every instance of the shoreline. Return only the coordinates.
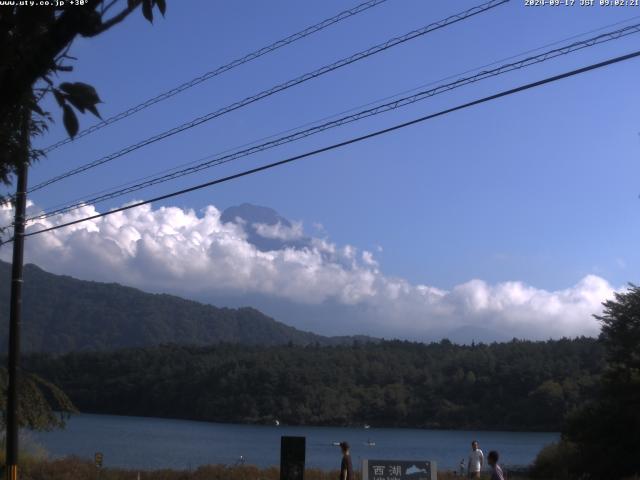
(311, 425)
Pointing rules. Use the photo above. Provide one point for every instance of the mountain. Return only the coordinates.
(64, 314)
(266, 229)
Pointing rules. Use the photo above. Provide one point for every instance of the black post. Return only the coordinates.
(292, 457)
(16, 305)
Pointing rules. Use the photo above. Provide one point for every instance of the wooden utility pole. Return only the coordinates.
(16, 302)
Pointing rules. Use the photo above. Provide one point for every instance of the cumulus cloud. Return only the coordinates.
(176, 250)
(280, 231)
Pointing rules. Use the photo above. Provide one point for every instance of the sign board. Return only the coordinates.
(399, 470)
(98, 459)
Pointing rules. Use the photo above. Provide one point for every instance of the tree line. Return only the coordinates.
(518, 385)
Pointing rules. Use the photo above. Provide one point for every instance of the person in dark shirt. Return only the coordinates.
(346, 470)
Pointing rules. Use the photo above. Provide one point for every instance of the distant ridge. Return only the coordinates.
(63, 314)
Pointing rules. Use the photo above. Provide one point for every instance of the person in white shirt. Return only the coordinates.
(476, 460)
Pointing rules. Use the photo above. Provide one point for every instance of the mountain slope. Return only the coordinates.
(63, 314)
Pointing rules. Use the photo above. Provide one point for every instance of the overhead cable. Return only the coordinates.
(278, 88)
(303, 133)
(220, 70)
(334, 146)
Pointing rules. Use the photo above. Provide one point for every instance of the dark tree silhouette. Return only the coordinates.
(606, 431)
(34, 46)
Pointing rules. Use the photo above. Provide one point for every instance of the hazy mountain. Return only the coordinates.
(256, 221)
(267, 230)
(62, 314)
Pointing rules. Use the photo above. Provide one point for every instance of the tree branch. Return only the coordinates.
(115, 19)
(105, 9)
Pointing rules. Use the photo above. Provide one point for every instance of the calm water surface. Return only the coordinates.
(151, 443)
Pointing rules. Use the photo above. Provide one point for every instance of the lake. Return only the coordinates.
(152, 443)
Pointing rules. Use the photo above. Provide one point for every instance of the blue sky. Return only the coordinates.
(540, 187)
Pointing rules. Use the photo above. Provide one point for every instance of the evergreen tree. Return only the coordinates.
(606, 431)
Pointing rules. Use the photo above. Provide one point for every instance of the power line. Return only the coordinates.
(88, 197)
(347, 142)
(398, 103)
(278, 88)
(220, 70)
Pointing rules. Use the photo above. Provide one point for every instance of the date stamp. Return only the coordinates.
(581, 3)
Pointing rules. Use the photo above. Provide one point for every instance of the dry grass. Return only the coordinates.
(446, 475)
(72, 468)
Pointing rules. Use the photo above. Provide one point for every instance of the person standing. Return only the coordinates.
(476, 460)
(346, 469)
(496, 470)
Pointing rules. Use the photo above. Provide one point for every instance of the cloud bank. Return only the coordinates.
(207, 255)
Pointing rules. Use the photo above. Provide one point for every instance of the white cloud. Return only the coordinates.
(280, 231)
(174, 250)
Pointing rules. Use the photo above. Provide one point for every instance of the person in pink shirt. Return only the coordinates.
(496, 471)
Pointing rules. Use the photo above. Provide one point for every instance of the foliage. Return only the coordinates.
(62, 314)
(77, 469)
(621, 335)
(518, 385)
(41, 404)
(606, 430)
(555, 461)
(34, 46)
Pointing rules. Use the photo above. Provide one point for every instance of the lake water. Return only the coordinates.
(152, 443)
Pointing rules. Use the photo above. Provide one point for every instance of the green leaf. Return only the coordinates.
(94, 110)
(79, 106)
(147, 10)
(33, 106)
(162, 6)
(70, 121)
(84, 93)
(82, 96)
(36, 108)
(59, 97)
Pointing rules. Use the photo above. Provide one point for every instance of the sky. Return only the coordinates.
(517, 217)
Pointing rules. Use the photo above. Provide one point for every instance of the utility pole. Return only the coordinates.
(16, 301)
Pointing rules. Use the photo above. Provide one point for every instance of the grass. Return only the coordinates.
(73, 468)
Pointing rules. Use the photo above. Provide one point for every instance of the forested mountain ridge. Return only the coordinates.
(518, 385)
(63, 314)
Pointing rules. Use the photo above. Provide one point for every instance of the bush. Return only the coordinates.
(555, 462)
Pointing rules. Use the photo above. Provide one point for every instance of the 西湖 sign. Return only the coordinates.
(399, 470)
